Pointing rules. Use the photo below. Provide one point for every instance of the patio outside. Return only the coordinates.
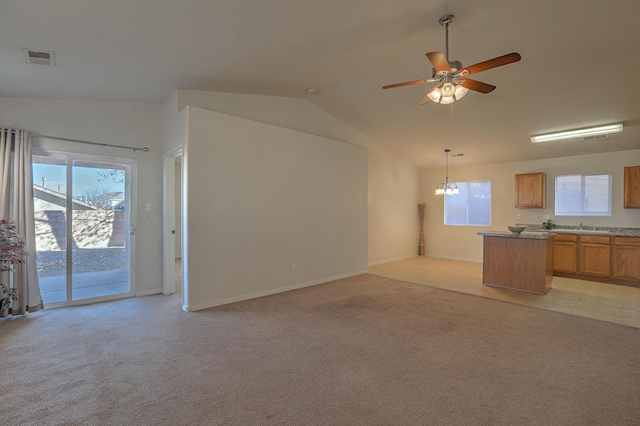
(99, 256)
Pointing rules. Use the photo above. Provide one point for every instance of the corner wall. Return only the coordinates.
(392, 180)
(269, 209)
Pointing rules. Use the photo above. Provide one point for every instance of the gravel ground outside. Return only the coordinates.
(53, 263)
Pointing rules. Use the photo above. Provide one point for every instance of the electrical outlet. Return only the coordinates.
(535, 217)
(519, 216)
(461, 246)
(294, 267)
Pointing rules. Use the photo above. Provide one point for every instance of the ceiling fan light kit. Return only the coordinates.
(584, 134)
(447, 92)
(452, 78)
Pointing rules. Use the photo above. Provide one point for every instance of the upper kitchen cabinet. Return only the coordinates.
(632, 187)
(530, 190)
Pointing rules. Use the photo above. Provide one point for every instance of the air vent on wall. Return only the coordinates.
(39, 57)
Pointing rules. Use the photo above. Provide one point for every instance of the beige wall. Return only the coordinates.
(392, 180)
(261, 198)
(445, 241)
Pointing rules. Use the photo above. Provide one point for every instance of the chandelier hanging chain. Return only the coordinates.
(446, 169)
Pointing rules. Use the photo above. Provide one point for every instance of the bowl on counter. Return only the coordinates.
(516, 230)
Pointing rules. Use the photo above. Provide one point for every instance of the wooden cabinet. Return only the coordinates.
(518, 263)
(565, 253)
(632, 187)
(626, 258)
(595, 255)
(530, 191)
(597, 258)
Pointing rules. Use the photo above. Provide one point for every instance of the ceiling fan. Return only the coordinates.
(452, 77)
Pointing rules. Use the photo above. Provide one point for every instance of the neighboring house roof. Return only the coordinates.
(48, 199)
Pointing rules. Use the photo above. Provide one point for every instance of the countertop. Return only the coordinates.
(538, 235)
(536, 231)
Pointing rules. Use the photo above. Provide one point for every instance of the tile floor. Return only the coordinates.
(609, 302)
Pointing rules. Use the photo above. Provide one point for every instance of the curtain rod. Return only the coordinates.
(145, 149)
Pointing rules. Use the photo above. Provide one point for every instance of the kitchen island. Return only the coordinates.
(520, 262)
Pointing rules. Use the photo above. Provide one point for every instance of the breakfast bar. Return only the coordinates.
(518, 261)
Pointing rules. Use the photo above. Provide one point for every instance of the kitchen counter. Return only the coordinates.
(586, 230)
(520, 262)
(538, 235)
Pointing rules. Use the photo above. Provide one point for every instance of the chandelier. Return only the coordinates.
(447, 188)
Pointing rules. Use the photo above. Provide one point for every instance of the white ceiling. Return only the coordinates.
(580, 60)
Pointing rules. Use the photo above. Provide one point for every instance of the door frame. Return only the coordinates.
(131, 222)
(169, 224)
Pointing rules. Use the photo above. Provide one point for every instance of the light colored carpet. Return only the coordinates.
(366, 350)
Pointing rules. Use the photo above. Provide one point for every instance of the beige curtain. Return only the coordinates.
(16, 204)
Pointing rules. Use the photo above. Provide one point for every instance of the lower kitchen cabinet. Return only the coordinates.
(626, 258)
(611, 259)
(565, 253)
(595, 255)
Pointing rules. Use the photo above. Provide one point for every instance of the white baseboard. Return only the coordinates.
(395, 259)
(457, 258)
(201, 306)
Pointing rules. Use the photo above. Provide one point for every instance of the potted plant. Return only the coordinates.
(548, 224)
(11, 252)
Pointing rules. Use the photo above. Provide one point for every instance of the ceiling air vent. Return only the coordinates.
(588, 138)
(39, 57)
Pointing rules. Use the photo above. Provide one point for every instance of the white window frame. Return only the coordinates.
(583, 212)
(460, 184)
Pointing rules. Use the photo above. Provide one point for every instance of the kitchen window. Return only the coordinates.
(583, 195)
(472, 207)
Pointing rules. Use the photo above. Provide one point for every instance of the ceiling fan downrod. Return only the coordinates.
(445, 21)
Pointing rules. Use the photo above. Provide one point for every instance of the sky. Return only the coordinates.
(84, 179)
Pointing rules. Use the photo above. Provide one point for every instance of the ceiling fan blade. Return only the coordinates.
(492, 63)
(406, 83)
(426, 97)
(439, 61)
(478, 86)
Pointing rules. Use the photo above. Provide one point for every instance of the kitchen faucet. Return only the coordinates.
(580, 225)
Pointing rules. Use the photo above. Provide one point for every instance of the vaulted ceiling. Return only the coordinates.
(579, 64)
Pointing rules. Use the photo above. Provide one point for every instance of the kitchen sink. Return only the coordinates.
(581, 231)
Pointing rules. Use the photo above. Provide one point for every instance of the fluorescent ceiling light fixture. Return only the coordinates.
(588, 133)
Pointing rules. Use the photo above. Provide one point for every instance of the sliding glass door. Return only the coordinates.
(83, 227)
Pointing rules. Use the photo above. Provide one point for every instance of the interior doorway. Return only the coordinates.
(174, 253)
(178, 222)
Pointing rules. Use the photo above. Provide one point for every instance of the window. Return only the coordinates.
(82, 210)
(583, 195)
(472, 207)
